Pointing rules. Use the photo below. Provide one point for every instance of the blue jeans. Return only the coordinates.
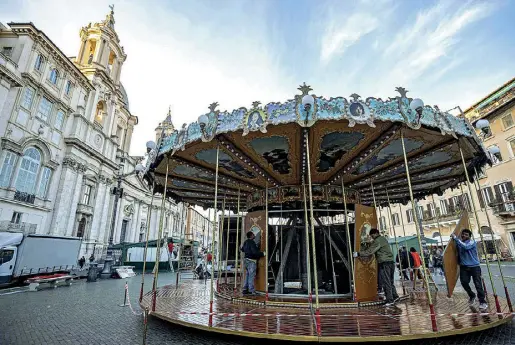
(250, 270)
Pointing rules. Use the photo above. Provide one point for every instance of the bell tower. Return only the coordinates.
(100, 49)
(166, 127)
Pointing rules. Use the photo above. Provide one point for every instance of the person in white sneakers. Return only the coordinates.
(469, 267)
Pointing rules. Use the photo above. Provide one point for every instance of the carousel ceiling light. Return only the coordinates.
(417, 105)
(202, 121)
(308, 101)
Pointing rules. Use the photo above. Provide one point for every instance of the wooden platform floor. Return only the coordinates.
(188, 305)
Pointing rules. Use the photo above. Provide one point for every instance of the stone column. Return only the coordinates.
(65, 192)
(81, 169)
(98, 209)
(105, 222)
(119, 218)
(136, 220)
(153, 223)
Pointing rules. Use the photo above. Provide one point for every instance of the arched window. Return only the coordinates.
(100, 113)
(38, 65)
(54, 75)
(28, 172)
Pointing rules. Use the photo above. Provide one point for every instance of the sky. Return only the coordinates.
(188, 54)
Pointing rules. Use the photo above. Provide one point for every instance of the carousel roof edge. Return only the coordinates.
(354, 110)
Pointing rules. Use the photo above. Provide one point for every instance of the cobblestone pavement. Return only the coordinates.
(90, 313)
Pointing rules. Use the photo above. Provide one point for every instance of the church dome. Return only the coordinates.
(125, 97)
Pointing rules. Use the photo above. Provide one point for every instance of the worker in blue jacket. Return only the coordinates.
(252, 255)
(469, 267)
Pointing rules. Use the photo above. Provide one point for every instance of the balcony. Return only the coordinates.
(24, 197)
(504, 207)
(452, 215)
(25, 228)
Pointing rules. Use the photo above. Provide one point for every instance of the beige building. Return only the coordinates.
(495, 184)
(66, 129)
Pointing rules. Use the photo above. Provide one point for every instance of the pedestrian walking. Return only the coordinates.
(252, 255)
(402, 263)
(438, 262)
(91, 258)
(82, 260)
(416, 263)
(384, 256)
(469, 267)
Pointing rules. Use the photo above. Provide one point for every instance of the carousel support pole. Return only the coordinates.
(266, 241)
(227, 243)
(214, 226)
(349, 244)
(404, 234)
(158, 243)
(497, 305)
(237, 243)
(389, 212)
(220, 247)
(147, 233)
(415, 215)
(508, 299)
(331, 255)
(378, 213)
(313, 240)
(306, 228)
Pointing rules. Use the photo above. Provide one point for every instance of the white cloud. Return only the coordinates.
(173, 59)
(338, 37)
(430, 39)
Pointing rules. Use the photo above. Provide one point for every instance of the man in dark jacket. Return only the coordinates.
(252, 254)
(402, 262)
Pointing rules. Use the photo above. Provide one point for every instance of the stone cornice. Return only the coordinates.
(81, 145)
(41, 38)
(10, 77)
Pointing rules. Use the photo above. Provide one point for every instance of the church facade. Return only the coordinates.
(66, 129)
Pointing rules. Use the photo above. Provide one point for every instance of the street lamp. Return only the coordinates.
(117, 191)
(307, 101)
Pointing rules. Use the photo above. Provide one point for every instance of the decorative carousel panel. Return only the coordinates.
(281, 112)
(230, 163)
(277, 152)
(231, 121)
(188, 172)
(334, 144)
(331, 109)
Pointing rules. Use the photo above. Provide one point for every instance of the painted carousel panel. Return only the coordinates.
(450, 256)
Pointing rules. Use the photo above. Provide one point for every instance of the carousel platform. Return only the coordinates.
(341, 320)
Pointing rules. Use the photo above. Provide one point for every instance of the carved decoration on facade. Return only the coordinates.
(69, 162)
(82, 167)
(128, 210)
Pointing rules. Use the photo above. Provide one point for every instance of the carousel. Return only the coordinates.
(310, 177)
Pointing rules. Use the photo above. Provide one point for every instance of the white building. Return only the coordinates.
(66, 130)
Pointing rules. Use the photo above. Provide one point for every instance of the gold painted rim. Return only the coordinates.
(334, 339)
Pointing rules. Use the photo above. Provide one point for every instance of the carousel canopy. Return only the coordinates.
(355, 141)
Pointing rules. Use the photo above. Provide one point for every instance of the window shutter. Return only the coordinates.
(490, 193)
(510, 189)
(497, 192)
(481, 199)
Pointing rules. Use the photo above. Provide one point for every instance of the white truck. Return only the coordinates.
(23, 256)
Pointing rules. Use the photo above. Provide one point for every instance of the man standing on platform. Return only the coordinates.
(252, 255)
(381, 249)
(469, 267)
